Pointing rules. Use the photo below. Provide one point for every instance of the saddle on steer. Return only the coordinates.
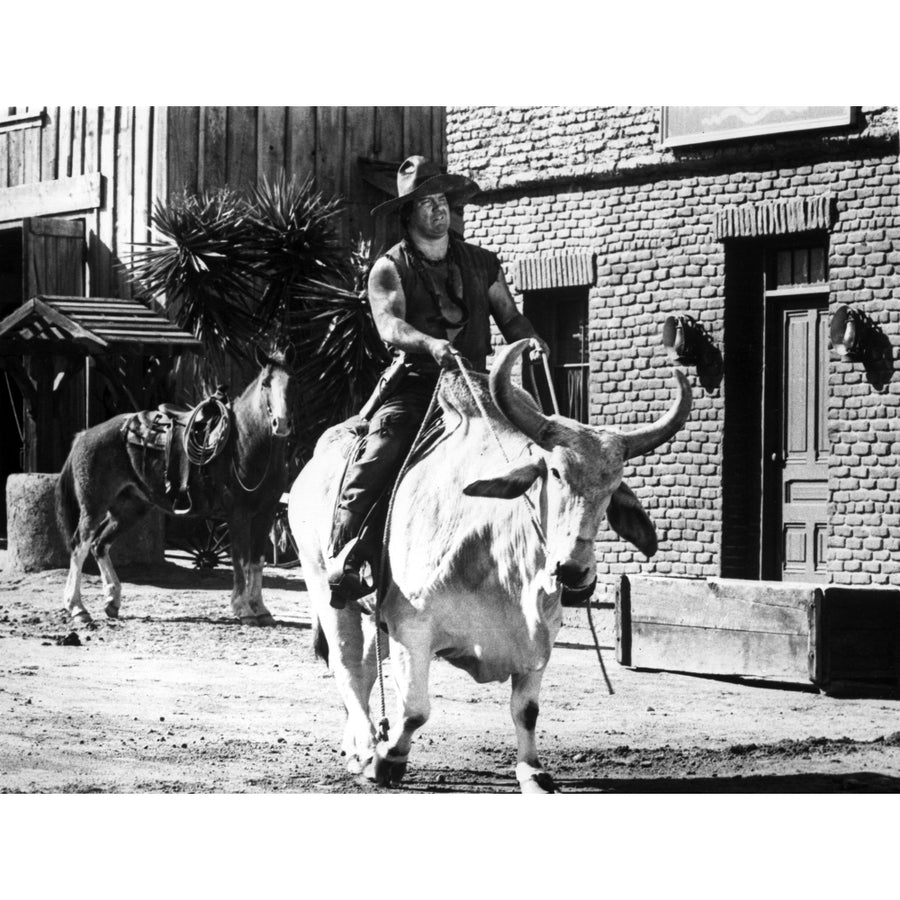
(182, 436)
(367, 546)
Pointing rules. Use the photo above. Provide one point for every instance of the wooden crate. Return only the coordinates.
(857, 638)
(829, 636)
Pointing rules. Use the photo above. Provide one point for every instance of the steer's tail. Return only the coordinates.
(67, 508)
(320, 642)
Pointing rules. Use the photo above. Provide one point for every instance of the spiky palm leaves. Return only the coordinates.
(202, 269)
(294, 240)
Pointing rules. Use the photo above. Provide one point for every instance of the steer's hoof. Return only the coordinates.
(112, 610)
(82, 617)
(385, 770)
(538, 783)
(357, 765)
(250, 620)
(265, 620)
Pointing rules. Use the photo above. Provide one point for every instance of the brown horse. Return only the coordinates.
(107, 484)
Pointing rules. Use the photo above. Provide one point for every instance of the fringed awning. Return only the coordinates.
(535, 273)
(772, 217)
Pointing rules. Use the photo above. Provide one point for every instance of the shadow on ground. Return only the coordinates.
(172, 575)
(477, 782)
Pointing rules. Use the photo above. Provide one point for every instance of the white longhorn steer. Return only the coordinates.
(471, 579)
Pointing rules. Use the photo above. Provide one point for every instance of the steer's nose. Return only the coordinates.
(570, 575)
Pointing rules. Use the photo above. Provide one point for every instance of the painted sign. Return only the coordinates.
(685, 125)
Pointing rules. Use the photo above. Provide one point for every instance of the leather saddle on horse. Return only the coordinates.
(184, 436)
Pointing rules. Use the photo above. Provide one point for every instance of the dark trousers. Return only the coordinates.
(392, 430)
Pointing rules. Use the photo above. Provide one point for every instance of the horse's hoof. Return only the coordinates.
(83, 617)
(384, 771)
(112, 610)
(250, 620)
(266, 620)
(538, 783)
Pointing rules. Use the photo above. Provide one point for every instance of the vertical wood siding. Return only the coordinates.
(144, 153)
(214, 146)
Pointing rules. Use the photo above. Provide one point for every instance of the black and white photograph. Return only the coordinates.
(449, 448)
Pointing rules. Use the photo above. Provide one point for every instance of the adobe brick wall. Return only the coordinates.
(564, 179)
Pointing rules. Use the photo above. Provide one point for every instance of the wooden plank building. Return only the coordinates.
(77, 186)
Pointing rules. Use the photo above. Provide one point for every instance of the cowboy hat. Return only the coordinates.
(419, 177)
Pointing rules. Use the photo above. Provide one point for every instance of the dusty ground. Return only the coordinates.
(177, 697)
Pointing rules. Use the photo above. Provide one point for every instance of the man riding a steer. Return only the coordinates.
(432, 296)
(487, 521)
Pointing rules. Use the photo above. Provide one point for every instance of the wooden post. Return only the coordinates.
(42, 454)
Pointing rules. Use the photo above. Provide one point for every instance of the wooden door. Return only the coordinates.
(54, 257)
(53, 253)
(800, 455)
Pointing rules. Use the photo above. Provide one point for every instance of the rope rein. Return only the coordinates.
(259, 484)
(535, 519)
(526, 498)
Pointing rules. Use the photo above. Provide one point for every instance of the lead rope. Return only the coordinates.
(527, 499)
(383, 722)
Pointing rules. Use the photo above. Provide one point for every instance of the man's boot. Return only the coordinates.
(348, 555)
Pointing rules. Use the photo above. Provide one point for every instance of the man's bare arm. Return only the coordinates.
(388, 304)
(512, 324)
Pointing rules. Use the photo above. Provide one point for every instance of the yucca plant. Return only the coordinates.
(202, 268)
(269, 268)
(294, 239)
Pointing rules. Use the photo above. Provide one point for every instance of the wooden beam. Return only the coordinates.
(22, 120)
(47, 198)
(36, 307)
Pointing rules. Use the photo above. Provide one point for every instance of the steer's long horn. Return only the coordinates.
(643, 440)
(513, 402)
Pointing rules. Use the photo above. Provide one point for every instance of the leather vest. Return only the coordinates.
(478, 269)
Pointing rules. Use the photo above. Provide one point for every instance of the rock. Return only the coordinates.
(70, 640)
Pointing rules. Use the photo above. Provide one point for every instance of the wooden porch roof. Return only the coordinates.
(90, 326)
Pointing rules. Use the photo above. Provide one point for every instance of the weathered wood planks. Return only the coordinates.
(723, 627)
(109, 164)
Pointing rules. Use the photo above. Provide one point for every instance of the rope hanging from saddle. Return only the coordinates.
(206, 431)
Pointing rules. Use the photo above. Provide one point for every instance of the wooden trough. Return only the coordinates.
(837, 638)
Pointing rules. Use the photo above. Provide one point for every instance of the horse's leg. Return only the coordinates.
(524, 707)
(411, 662)
(239, 532)
(127, 509)
(258, 539)
(81, 547)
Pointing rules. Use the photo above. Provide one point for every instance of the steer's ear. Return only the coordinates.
(517, 478)
(628, 520)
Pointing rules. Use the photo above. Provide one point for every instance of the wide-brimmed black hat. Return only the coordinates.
(419, 177)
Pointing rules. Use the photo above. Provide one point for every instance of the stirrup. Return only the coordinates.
(344, 576)
(182, 504)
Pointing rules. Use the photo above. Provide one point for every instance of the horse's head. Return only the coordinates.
(276, 386)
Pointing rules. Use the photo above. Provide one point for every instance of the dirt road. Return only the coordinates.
(177, 697)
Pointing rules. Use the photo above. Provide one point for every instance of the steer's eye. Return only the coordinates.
(555, 473)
